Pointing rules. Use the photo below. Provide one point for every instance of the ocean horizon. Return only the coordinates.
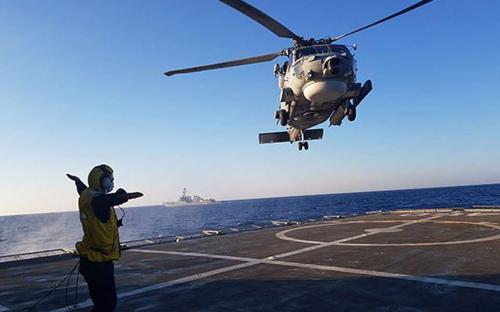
(51, 230)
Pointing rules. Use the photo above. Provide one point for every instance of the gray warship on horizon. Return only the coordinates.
(186, 200)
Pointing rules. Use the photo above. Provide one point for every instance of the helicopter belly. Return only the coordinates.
(306, 114)
(324, 91)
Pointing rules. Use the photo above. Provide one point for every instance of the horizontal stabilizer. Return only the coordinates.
(313, 134)
(276, 137)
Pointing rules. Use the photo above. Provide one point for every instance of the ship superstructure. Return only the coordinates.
(186, 200)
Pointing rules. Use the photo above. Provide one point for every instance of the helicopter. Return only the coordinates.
(317, 82)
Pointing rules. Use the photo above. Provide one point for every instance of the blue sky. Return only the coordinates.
(81, 84)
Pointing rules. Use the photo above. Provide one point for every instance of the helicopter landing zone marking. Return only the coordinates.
(455, 283)
(268, 260)
(477, 214)
(283, 234)
(88, 303)
(415, 214)
(247, 263)
(273, 260)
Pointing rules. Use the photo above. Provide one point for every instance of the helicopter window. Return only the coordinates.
(322, 49)
(284, 67)
(339, 49)
(303, 52)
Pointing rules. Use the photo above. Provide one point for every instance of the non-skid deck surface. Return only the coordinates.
(436, 260)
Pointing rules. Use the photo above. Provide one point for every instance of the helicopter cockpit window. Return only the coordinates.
(322, 49)
(303, 52)
(339, 49)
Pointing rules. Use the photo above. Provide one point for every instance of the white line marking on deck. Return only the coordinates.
(430, 280)
(193, 254)
(477, 214)
(422, 214)
(81, 305)
(252, 261)
(248, 262)
(88, 303)
(342, 242)
(3, 308)
(282, 234)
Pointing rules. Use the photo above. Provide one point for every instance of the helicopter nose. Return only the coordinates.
(324, 91)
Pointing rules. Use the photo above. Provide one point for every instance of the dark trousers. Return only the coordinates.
(100, 277)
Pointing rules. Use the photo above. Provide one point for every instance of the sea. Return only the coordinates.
(38, 232)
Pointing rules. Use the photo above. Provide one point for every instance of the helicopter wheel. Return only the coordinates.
(283, 117)
(303, 145)
(351, 113)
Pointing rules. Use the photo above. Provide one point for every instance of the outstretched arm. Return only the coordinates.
(103, 202)
(80, 186)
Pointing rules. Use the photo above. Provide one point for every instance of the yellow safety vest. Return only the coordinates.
(100, 240)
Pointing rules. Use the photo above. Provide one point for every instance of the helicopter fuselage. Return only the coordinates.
(314, 83)
(318, 82)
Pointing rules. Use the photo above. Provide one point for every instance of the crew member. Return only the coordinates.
(100, 245)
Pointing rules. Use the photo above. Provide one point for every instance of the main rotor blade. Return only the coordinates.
(249, 60)
(408, 9)
(262, 18)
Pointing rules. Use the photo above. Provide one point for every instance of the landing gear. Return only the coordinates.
(354, 102)
(351, 112)
(303, 145)
(283, 117)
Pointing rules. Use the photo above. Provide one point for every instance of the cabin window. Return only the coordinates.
(322, 49)
(340, 49)
(303, 52)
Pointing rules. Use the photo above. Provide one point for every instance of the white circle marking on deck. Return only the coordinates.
(480, 214)
(283, 234)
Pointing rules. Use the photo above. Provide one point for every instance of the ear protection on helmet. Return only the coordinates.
(106, 178)
(105, 169)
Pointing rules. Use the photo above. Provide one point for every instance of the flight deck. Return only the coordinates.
(405, 260)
